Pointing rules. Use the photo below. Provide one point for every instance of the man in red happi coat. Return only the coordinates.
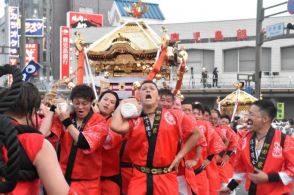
(229, 138)
(153, 139)
(265, 156)
(214, 147)
(83, 132)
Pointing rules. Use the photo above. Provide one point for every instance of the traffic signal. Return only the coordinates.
(289, 27)
(280, 111)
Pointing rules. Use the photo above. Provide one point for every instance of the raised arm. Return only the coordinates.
(64, 117)
(118, 123)
(46, 125)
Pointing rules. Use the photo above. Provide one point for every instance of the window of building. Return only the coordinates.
(243, 59)
(85, 6)
(287, 58)
(246, 59)
(199, 58)
(86, 10)
(230, 60)
(266, 59)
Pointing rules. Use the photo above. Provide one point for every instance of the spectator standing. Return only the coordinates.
(214, 77)
(204, 77)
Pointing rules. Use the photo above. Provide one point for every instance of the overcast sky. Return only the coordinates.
(206, 10)
(211, 10)
(1, 8)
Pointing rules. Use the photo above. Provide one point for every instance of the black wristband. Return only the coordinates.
(52, 108)
(210, 157)
(222, 153)
(233, 184)
(67, 122)
(273, 177)
(51, 135)
(230, 152)
(199, 170)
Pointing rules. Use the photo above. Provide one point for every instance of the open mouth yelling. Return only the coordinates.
(249, 122)
(148, 97)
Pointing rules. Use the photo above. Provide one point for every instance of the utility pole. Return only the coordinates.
(260, 16)
(40, 39)
(48, 37)
(259, 41)
(22, 48)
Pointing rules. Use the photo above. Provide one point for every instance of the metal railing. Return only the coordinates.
(267, 82)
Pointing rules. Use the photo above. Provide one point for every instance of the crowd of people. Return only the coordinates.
(286, 126)
(156, 144)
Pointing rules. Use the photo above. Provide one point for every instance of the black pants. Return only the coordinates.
(214, 82)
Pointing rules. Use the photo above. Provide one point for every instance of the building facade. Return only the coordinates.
(229, 46)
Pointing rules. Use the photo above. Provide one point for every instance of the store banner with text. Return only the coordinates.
(31, 52)
(84, 20)
(34, 27)
(13, 31)
(64, 51)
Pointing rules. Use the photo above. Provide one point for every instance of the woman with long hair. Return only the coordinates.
(37, 158)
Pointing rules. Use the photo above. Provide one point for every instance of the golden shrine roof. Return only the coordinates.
(138, 36)
(243, 98)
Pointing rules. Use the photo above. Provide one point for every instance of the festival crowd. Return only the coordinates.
(154, 144)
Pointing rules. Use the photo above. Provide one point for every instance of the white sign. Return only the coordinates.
(275, 30)
(13, 29)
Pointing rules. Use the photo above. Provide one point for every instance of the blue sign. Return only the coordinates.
(291, 6)
(13, 29)
(34, 27)
(275, 30)
(31, 68)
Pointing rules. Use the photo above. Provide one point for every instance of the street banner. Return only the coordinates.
(31, 68)
(64, 51)
(34, 28)
(31, 52)
(84, 20)
(13, 31)
(280, 110)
